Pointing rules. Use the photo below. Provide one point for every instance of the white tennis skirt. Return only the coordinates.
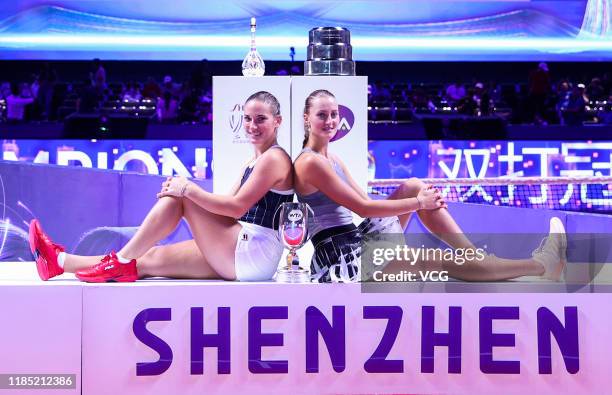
(258, 252)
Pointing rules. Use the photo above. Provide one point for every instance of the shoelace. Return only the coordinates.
(104, 261)
(540, 247)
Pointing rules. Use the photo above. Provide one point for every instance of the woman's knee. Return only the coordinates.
(411, 187)
(188, 207)
(171, 201)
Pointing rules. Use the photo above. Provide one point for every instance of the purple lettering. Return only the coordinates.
(257, 340)
(430, 339)
(161, 347)
(378, 362)
(488, 340)
(565, 335)
(333, 335)
(221, 340)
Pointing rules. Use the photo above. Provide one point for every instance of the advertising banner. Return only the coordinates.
(326, 339)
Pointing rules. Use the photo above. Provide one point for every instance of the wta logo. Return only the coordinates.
(235, 124)
(295, 215)
(347, 121)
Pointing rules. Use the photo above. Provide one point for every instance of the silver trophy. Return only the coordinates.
(293, 233)
(329, 52)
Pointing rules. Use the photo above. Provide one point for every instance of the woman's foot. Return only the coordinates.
(551, 253)
(109, 270)
(45, 252)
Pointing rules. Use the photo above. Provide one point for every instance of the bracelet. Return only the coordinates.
(418, 201)
(183, 189)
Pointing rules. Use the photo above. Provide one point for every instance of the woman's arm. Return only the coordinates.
(317, 172)
(271, 168)
(236, 185)
(350, 179)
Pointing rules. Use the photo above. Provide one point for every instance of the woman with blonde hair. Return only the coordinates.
(324, 182)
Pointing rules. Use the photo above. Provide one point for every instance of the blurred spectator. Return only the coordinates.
(151, 89)
(606, 82)
(495, 92)
(539, 89)
(540, 101)
(5, 90)
(167, 107)
(563, 94)
(169, 86)
(206, 97)
(98, 75)
(132, 93)
(421, 101)
(574, 111)
(381, 92)
(563, 89)
(206, 106)
(34, 86)
(89, 98)
(189, 108)
(16, 103)
(201, 77)
(47, 79)
(184, 90)
(595, 90)
(455, 92)
(482, 100)
(467, 105)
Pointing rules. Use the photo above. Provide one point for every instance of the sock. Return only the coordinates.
(122, 259)
(61, 257)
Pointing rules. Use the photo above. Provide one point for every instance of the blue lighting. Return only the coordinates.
(381, 30)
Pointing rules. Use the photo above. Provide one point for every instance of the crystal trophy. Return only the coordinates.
(253, 64)
(293, 233)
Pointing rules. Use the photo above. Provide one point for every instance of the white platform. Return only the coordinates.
(63, 326)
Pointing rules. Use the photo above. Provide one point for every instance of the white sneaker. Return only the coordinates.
(552, 251)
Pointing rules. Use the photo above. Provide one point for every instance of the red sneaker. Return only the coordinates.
(109, 270)
(45, 252)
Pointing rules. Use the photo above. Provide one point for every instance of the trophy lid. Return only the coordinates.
(329, 35)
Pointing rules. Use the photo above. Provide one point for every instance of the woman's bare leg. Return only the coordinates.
(159, 222)
(216, 237)
(72, 262)
(440, 223)
(179, 260)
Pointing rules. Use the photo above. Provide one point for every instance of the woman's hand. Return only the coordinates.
(429, 198)
(174, 186)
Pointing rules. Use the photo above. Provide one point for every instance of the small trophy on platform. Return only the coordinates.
(253, 64)
(293, 233)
